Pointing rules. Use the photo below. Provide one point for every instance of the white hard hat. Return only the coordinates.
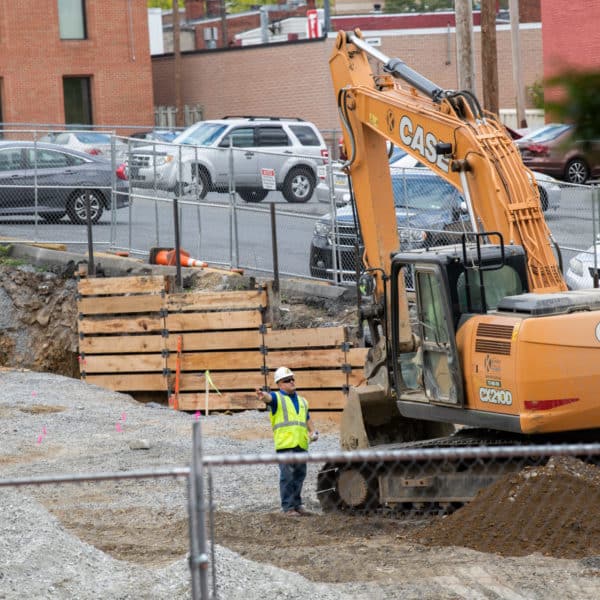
(282, 373)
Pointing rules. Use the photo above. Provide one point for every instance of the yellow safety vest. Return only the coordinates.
(289, 426)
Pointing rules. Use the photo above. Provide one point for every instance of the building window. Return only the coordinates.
(78, 100)
(71, 19)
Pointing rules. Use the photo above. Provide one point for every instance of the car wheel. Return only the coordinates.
(299, 185)
(199, 185)
(256, 195)
(543, 198)
(52, 217)
(577, 171)
(77, 203)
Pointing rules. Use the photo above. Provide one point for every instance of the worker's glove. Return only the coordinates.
(315, 436)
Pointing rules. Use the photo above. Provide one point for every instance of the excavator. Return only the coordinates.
(493, 349)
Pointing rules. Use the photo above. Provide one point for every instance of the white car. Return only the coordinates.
(549, 187)
(580, 274)
(206, 155)
(90, 142)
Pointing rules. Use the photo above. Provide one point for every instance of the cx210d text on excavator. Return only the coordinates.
(494, 343)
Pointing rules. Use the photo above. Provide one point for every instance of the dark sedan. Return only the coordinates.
(51, 181)
(429, 212)
(554, 150)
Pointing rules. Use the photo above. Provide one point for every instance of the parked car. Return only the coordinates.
(290, 150)
(548, 187)
(155, 135)
(582, 267)
(90, 142)
(62, 179)
(554, 150)
(429, 212)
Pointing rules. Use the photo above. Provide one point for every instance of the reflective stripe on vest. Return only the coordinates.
(289, 427)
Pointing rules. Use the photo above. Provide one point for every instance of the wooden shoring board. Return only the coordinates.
(111, 305)
(137, 324)
(151, 284)
(128, 382)
(331, 357)
(217, 340)
(201, 301)
(217, 361)
(250, 380)
(126, 344)
(213, 321)
(322, 400)
(124, 363)
(305, 338)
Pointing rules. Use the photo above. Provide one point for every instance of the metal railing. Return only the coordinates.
(230, 227)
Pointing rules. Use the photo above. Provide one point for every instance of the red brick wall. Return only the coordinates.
(571, 38)
(33, 61)
(293, 79)
(530, 11)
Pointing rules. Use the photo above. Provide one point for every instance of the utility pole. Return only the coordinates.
(177, 65)
(224, 41)
(513, 7)
(464, 45)
(489, 56)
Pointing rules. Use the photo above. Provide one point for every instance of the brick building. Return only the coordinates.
(71, 63)
(571, 38)
(293, 79)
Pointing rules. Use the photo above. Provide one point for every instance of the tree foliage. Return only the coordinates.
(164, 4)
(578, 102)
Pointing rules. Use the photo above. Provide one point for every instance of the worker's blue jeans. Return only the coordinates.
(291, 478)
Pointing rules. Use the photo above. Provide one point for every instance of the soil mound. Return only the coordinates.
(553, 510)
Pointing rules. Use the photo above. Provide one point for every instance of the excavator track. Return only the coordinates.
(434, 487)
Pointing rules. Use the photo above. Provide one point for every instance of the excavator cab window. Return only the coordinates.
(498, 284)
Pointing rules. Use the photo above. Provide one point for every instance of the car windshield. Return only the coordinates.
(397, 154)
(203, 135)
(424, 193)
(93, 138)
(545, 134)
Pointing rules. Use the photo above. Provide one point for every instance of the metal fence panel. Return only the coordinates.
(232, 227)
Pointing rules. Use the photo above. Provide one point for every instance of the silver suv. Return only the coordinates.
(260, 153)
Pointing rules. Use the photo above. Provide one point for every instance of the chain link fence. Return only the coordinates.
(504, 500)
(248, 212)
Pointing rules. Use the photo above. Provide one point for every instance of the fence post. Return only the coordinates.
(196, 508)
(233, 226)
(274, 246)
(337, 277)
(176, 225)
(595, 199)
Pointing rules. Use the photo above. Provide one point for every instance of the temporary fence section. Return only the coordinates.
(416, 518)
(207, 351)
(231, 221)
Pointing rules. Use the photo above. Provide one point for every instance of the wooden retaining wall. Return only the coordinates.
(130, 329)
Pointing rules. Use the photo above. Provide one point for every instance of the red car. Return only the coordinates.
(553, 150)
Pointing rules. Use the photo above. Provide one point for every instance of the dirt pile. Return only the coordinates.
(553, 510)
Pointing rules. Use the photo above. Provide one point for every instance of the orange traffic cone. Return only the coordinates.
(167, 256)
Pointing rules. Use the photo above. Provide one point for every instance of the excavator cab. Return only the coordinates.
(451, 284)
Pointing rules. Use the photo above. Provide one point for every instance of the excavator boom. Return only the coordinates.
(479, 158)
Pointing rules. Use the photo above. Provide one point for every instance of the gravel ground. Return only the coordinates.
(128, 539)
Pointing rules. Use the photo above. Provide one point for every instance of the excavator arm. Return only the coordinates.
(448, 132)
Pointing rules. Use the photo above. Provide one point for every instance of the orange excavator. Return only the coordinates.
(494, 349)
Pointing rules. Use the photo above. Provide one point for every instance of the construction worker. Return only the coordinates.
(292, 431)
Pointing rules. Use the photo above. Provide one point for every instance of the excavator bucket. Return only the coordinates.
(371, 418)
